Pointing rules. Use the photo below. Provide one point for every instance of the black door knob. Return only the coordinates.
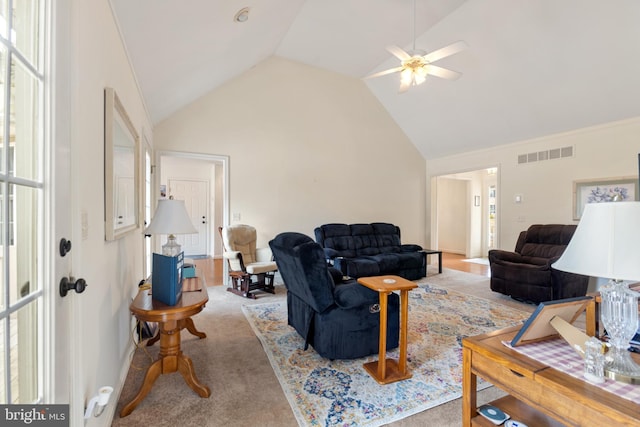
(65, 246)
(66, 284)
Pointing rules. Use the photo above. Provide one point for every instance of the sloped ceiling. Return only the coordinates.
(533, 67)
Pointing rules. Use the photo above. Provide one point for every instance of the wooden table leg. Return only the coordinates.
(469, 384)
(185, 367)
(382, 345)
(150, 377)
(386, 371)
(191, 327)
(154, 340)
(404, 316)
(170, 359)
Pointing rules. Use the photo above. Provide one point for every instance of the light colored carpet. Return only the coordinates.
(341, 392)
(244, 388)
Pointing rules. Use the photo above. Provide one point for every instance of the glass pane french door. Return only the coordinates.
(21, 200)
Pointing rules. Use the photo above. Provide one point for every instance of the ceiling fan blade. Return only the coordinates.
(398, 52)
(446, 51)
(384, 73)
(443, 73)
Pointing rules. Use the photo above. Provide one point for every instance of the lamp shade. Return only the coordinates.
(606, 242)
(171, 217)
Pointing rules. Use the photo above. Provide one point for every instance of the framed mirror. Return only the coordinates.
(121, 169)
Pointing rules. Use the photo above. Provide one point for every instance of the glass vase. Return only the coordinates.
(619, 314)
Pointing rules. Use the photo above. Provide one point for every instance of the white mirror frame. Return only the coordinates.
(119, 131)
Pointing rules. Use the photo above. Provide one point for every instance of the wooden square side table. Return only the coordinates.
(384, 370)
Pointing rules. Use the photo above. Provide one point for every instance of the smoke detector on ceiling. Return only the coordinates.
(242, 15)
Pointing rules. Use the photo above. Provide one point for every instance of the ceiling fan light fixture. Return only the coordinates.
(406, 77)
(420, 75)
(415, 65)
(242, 15)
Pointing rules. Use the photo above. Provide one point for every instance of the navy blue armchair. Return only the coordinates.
(340, 320)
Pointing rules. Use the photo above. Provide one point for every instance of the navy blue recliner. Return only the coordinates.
(339, 320)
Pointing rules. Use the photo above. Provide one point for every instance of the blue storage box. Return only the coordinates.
(166, 278)
(188, 271)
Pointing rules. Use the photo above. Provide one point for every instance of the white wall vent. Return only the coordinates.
(555, 153)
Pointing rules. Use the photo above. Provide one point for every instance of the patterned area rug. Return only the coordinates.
(340, 392)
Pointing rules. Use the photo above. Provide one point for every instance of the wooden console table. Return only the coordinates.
(538, 394)
(171, 319)
(384, 370)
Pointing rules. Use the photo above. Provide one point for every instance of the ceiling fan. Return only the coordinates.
(415, 65)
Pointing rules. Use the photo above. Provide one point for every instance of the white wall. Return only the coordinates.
(453, 211)
(111, 269)
(609, 150)
(306, 147)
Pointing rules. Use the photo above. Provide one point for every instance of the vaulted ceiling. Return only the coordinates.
(533, 67)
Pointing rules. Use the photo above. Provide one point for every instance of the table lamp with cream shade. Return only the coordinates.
(606, 244)
(171, 218)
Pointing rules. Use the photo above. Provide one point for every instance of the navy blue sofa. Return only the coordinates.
(361, 250)
(340, 320)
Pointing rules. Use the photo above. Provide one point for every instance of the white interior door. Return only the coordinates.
(195, 194)
(62, 349)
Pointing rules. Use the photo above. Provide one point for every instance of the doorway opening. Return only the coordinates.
(464, 211)
(202, 181)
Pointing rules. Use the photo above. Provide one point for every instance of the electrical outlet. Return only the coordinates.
(84, 224)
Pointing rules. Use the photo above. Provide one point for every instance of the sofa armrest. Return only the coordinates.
(351, 295)
(232, 254)
(497, 256)
(331, 253)
(410, 248)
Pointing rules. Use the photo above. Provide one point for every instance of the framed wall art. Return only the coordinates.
(602, 190)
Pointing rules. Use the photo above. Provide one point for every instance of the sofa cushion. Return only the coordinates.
(551, 234)
(542, 250)
(388, 263)
(364, 240)
(338, 238)
(387, 237)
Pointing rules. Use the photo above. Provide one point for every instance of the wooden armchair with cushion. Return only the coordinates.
(250, 268)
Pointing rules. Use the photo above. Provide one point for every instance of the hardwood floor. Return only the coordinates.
(212, 268)
(455, 262)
